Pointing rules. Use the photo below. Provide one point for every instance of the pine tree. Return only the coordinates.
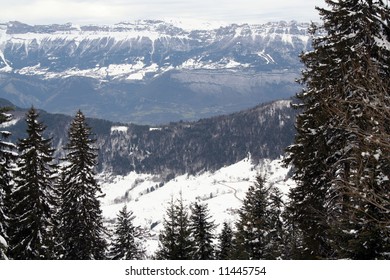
(82, 231)
(167, 245)
(361, 224)
(7, 157)
(258, 228)
(60, 186)
(175, 238)
(34, 195)
(125, 245)
(184, 239)
(225, 243)
(202, 232)
(275, 239)
(331, 169)
(292, 241)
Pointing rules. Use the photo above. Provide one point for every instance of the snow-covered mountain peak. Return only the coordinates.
(69, 50)
(230, 65)
(174, 26)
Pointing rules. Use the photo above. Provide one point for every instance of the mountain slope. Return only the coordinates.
(182, 147)
(207, 144)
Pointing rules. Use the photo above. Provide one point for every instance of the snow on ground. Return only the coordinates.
(10, 123)
(148, 197)
(122, 129)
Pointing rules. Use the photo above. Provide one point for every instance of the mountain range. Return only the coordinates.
(149, 72)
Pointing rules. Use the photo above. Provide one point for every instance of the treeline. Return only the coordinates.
(49, 210)
(189, 232)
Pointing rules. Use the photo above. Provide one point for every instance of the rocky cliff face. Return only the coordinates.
(140, 50)
(149, 71)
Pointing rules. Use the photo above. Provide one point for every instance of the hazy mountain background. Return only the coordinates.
(149, 72)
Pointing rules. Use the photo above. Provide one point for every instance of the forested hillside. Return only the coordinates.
(183, 147)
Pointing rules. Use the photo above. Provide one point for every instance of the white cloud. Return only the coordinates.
(113, 11)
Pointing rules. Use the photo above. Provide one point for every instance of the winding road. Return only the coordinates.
(235, 190)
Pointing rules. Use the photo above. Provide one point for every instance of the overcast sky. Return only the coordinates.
(114, 11)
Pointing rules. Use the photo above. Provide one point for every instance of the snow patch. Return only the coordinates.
(155, 129)
(122, 129)
(220, 65)
(266, 56)
(136, 76)
(10, 123)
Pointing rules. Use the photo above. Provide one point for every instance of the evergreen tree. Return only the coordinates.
(258, 227)
(81, 228)
(292, 240)
(7, 157)
(184, 238)
(360, 226)
(334, 175)
(276, 237)
(125, 245)
(225, 243)
(60, 186)
(202, 232)
(34, 197)
(167, 245)
(175, 238)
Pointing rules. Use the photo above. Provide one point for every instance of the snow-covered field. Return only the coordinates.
(147, 196)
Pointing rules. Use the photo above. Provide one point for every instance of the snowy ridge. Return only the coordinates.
(139, 49)
(147, 196)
